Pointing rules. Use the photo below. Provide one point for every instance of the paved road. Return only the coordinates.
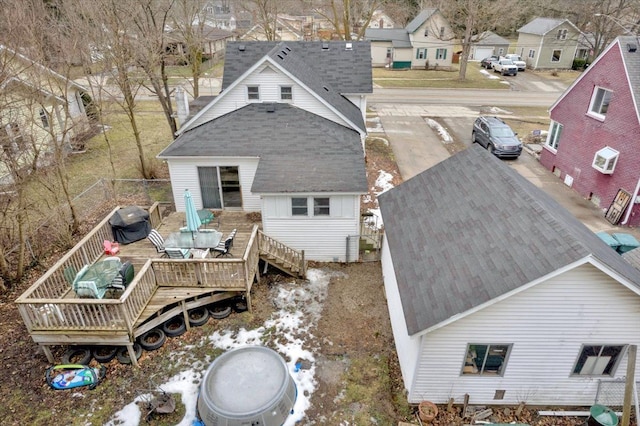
(461, 97)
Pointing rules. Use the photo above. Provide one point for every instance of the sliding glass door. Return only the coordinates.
(220, 187)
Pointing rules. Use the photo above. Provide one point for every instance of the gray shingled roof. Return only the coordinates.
(489, 38)
(346, 71)
(470, 229)
(298, 151)
(633, 257)
(399, 37)
(541, 26)
(419, 20)
(288, 56)
(632, 64)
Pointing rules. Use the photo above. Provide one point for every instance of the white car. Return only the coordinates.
(504, 67)
(517, 61)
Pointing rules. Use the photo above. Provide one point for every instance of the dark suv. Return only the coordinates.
(496, 136)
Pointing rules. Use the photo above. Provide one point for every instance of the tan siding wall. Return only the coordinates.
(547, 325)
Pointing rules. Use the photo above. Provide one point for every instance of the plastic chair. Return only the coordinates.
(111, 248)
(157, 241)
(177, 253)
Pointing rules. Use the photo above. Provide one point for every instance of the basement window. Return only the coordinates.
(605, 160)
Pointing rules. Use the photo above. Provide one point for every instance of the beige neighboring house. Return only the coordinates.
(548, 43)
(38, 108)
(285, 31)
(426, 42)
(380, 19)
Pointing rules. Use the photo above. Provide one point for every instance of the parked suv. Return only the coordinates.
(486, 62)
(517, 61)
(504, 67)
(496, 136)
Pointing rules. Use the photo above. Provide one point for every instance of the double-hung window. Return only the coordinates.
(598, 360)
(553, 138)
(421, 53)
(299, 206)
(486, 359)
(556, 55)
(532, 53)
(286, 93)
(44, 118)
(600, 102)
(321, 206)
(441, 53)
(562, 35)
(253, 93)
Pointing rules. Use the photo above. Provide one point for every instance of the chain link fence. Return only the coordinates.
(611, 394)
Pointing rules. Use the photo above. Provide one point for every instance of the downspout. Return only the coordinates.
(633, 200)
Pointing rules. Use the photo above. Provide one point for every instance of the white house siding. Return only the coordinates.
(361, 102)
(379, 53)
(184, 175)
(269, 82)
(407, 347)
(322, 238)
(546, 324)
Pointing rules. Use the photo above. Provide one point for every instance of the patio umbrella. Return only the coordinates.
(193, 221)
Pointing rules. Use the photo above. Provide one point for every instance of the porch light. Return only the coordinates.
(605, 160)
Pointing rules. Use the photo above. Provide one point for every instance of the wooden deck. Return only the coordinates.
(161, 288)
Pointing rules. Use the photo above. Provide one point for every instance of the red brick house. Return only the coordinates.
(594, 136)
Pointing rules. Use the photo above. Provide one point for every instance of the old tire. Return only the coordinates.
(240, 305)
(175, 326)
(77, 355)
(152, 339)
(473, 137)
(490, 148)
(123, 353)
(220, 311)
(198, 316)
(104, 354)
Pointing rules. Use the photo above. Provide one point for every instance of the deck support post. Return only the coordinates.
(132, 355)
(47, 353)
(185, 313)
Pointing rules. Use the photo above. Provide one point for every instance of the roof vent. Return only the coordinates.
(241, 47)
(325, 45)
(325, 88)
(348, 46)
(279, 56)
(284, 52)
(271, 107)
(632, 47)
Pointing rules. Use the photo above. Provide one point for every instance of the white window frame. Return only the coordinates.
(559, 57)
(286, 95)
(251, 95)
(471, 368)
(441, 32)
(423, 51)
(553, 137)
(596, 105)
(441, 54)
(596, 364)
(532, 53)
(314, 206)
(299, 210)
(319, 206)
(562, 34)
(605, 160)
(500, 51)
(44, 118)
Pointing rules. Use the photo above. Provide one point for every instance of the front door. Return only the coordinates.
(220, 187)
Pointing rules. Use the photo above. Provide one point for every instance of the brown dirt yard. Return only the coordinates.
(358, 381)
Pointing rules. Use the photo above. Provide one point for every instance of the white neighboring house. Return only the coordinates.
(496, 291)
(285, 137)
(39, 108)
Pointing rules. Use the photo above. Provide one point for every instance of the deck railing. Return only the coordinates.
(282, 254)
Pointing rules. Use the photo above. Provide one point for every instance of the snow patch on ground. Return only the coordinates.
(377, 125)
(489, 74)
(442, 132)
(496, 110)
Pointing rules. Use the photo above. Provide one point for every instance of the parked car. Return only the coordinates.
(517, 61)
(486, 62)
(496, 136)
(504, 67)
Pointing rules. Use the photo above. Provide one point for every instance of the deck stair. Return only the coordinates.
(281, 256)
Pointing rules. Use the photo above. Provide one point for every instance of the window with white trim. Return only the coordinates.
(299, 206)
(600, 102)
(553, 138)
(605, 160)
(562, 35)
(441, 32)
(485, 359)
(44, 118)
(598, 360)
(253, 93)
(501, 51)
(286, 93)
(532, 53)
(426, 32)
(556, 55)
(421, 53)
(441, 53)
(321, 206)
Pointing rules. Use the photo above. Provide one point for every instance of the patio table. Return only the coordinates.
(93, 280)
(189, 240)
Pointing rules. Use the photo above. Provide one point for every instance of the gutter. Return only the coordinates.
(633, 200)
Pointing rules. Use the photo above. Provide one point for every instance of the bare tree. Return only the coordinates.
(348, 18)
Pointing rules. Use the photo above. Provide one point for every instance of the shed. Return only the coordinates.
(130, 224)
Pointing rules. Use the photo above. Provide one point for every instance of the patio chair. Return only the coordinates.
(157, 241)
(224, 248)
(124, 277)
(69, 274)
(177, 253)
(199, 253)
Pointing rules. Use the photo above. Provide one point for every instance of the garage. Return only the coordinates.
(482, 52)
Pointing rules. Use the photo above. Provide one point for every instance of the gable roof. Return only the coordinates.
(471, 229)
(541, 26)
(298, 151)
(420, 19)
(347, 71)
(489, 38)
(631, 63)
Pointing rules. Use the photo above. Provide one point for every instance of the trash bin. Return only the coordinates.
(599, 415)
(627, 242)
(611, 242)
